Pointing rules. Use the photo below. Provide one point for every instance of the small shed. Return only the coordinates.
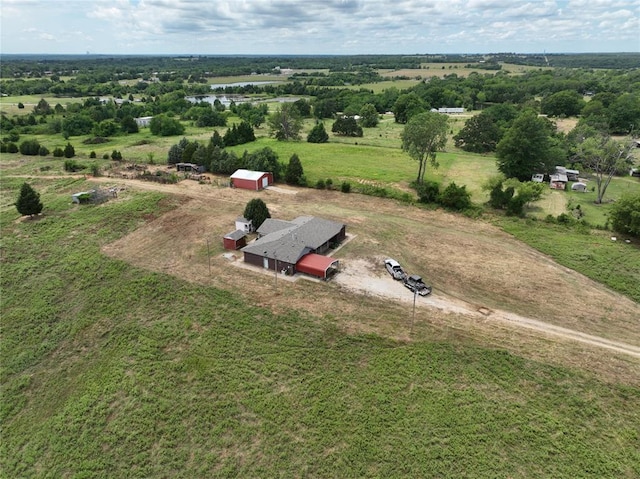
(244, 224)
(317, 265)
(251, 180)
(579, 186)
(235, 240)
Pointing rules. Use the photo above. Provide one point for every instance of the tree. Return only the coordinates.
(285, 123)
(455, 197)
(369, 116)
(423, 135)
(604, 157)
(256, 211)
(625, 215)
(318, 134)
(28, 202)
(42, 108)
(69, 151)
(562, 103)
(406, 106)
(528, 148)
(480, 134)
(294, 171)
(162, 125)
(346, 126)
(129, 125)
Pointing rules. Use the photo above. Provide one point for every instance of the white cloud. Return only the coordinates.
(329, 26)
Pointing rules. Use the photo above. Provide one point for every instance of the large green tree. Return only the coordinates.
(28, 202)
(528, 147)
(480, 134)
(368, 116)
(562, 103)
(318, 134)
(406, 106)
(285, 123)
(604, 157)
(256, 211)
(423, 135)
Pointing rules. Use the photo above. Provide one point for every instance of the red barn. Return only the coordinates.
(251, 180)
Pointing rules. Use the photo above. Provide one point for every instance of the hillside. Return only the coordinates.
(124, 357)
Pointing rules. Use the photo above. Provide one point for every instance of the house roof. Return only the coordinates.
(288, 241)
(247, 175)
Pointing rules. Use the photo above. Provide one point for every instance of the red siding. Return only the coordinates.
(252, 184)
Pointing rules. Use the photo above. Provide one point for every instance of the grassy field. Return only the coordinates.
(109, 370)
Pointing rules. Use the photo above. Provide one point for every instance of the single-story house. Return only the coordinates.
(579, 186)
(243, 224)
(558, 182)
(143, 121)
(448, 111)
(251, 180)
(538, 178)
(235, 240)
(286, 246)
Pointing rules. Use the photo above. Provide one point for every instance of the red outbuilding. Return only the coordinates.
(251, 180)
(235, 240)
(317, 265)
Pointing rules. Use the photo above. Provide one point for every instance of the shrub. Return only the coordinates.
(12, 147)
(625, 215)
(43, 151)
(30, 147)
(69, 151)
(455, 197)
(73, 165)
(28, 202)
(329, 183)
(345, 187)
(428, 191)
(105, 156)
(92, 154)
(95, 169)
(320, 184)
(58, 152)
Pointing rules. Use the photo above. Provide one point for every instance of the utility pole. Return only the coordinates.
(413, 317)
(209, 256)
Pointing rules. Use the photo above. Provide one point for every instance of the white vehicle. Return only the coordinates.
(394, 269)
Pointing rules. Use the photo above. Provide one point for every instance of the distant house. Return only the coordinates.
(235, 240)
(448, 111)
(251, 180)
(143, 121)
(572, 175)
(296, 246)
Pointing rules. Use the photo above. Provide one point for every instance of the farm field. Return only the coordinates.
(123, 356)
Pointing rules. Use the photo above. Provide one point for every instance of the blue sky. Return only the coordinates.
(210, 27)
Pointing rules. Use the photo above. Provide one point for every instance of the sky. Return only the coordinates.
(314, 27)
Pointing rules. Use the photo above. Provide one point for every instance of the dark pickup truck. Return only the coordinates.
(416, 285)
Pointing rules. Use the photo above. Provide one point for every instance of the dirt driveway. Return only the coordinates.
(484, 280)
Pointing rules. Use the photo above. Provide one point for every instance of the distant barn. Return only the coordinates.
(251, 180)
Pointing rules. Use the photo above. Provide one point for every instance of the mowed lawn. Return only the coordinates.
(113, 371)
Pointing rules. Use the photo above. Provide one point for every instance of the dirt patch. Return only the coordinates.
(474, 268)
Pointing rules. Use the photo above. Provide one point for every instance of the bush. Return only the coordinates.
(625, 215)
(428, 191)
(58, 152)
(95, 169)
(92, 154)
(455, 197)
(73, 165)
(12, 147)
(43, 151)
(320, 185)
(329, 183)
(345, 187)
(69, 151)
(30, 147)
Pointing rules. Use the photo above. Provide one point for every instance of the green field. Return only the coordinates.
(109, 370)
